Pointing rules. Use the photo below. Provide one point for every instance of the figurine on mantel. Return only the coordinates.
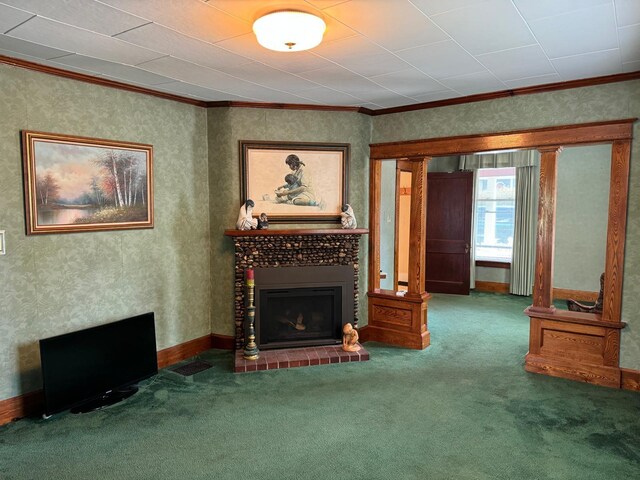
(245, 217)
(263, 222)
(347, 217)
(350, 338)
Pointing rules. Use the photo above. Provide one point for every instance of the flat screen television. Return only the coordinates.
(98, 366)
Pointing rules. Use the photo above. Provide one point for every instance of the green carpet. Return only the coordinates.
(464, 408)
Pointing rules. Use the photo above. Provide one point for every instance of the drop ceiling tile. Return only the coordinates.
(121, 72)
(270, 77)
(328, 96)
(486, 27)
(442, 59)
(21, 56)
(88, 14)
(170, 42)
(292, 62)
(371, 65)
(390, 101)
(627, 12)
(392, 25)
(531, 81)
(474, 83)
(29, 48)
(347, 48)
(518, 63)
(11, 17)
(208, 94)
(208, 78)
(533, 10)
(51, 63)
(589, 64)
(435, 96)
(629, 38)
(199, 20)
(434, 7)
(73, 39)
(631, 67)
(338, 78)
(408, 82)
(323, 3)
(587, 30)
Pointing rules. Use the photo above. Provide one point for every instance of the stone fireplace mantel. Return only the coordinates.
(274, 248)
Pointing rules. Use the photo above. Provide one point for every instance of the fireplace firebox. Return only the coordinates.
(302, 306)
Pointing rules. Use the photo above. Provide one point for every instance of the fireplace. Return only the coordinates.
(302, 306)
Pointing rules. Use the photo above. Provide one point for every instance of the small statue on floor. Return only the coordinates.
(347, 217)
(245, 217)
(263, 222)
(350, 338)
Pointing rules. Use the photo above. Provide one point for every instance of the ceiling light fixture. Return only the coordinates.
(289, 31)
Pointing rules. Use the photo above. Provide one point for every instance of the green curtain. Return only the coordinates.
(524, 236)
(526, 163)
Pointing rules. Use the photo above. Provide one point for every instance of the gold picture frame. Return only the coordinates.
(82, 184)
(295, 182)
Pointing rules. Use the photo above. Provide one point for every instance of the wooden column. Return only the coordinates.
(545, 238)
(616, 230)
(417, 228)
(375, 175)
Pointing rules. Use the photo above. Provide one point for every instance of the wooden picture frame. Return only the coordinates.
(82, 184)
(312, 188)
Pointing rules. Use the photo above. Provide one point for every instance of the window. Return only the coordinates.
(495, 214)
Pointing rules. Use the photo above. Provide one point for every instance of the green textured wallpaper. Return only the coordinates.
(604, 102)
(229, 125)
(581, 217)
(53, 284)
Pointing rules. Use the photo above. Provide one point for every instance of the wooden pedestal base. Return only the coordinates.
(577, 346)
(397, 320)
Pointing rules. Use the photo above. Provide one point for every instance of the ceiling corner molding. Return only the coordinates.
(286, 106)
(549, 87)
(59, 72)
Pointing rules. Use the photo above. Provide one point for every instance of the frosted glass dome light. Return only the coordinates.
(289, 31)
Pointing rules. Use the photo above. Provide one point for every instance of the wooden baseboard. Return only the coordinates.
(493, 287)
(223, 342)
(630, 379)
(579, 295)
(21, 406)
(596, 374)
(31, 403)
(558, 293)
(177, 353)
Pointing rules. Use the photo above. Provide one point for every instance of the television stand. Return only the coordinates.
(106, 399)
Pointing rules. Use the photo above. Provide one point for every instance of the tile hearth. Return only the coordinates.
(298, 357)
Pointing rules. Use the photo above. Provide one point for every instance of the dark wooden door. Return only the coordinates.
(449, 204)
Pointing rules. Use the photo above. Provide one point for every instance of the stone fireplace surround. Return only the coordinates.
(291, 248)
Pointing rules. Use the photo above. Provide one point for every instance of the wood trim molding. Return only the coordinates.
(585, 133)
(81, 77)
(580, 295)
(492, 264)
(289, 106)
(177, 353)
(299, 231)
(223, 342)
(630, 379)
(549, 87)
(491, 287)
(21, 406)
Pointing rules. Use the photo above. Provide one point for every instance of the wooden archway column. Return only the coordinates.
(579, 346)
(394, 319)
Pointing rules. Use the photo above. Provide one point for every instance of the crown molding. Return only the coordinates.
(550, 87)
(59, 72)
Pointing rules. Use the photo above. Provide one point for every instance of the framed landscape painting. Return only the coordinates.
(78, 184)
(295, 182)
